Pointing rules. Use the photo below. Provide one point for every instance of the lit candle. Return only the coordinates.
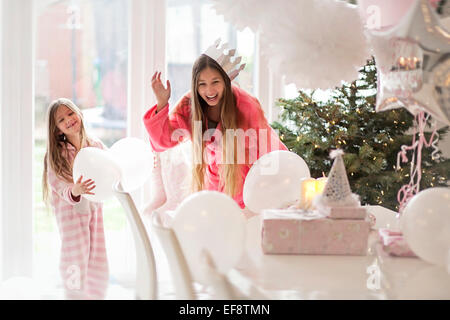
(310, 188)
(307, 192)
(402, 63)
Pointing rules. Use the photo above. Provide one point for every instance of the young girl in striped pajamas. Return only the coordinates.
(83, 261)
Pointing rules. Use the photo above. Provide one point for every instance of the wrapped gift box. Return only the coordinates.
(348, 213)
(394, 243)
(300, 232)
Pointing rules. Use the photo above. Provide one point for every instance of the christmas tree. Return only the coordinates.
(371, 141)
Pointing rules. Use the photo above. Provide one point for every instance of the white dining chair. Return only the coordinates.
(146, 280)
(179, 269)
(181, 275)
(223, 290)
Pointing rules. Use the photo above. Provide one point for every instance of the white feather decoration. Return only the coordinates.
(242, 14)
(314, 43)
(335, 153)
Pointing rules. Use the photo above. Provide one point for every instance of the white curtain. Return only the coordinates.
(1, 109)
(147, 53)
(17, 34)
(16, 79)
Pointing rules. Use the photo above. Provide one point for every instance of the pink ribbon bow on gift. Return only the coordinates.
(394, 243)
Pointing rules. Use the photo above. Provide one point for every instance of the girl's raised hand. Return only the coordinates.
(81, 187)
(162, 94)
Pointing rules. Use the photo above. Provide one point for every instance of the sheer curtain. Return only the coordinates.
(1, 141)
(18, 51)
(16, 137)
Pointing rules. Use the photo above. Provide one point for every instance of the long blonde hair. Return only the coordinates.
(229, 173)
(57, 145)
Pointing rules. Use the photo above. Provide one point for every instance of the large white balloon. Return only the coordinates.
(135, 158)
(274, 180)
(213, 221)
(100, 166)
(426, 225)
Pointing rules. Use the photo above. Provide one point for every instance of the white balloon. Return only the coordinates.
(274, 180)
(426, 225)
(100, 166)
(213, 221)
(135, 158)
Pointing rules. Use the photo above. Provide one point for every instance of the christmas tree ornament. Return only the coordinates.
(337, 192)
(401, 77)
(413, 61)
(315, 44)
(231, 68)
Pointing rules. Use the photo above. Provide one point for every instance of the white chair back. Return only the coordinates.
(179, 268)
(146, 280)
(222, 288)
(177, 263)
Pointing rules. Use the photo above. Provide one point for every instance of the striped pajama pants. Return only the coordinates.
(83, 264)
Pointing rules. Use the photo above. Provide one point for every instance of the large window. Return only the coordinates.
(82, 54)
(192, 26)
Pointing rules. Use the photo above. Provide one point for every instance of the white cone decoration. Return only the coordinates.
(337, 192)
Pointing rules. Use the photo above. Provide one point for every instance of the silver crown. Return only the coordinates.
(232, 69)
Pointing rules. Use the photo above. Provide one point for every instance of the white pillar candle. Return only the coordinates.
(309, 189)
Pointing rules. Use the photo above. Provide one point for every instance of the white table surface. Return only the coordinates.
(337, 277)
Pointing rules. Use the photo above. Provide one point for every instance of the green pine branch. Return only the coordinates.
(370, 140)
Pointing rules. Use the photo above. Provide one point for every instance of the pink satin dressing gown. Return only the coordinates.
(260, 137)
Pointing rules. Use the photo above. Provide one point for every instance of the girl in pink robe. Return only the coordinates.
(210, 83)
(83, 260)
